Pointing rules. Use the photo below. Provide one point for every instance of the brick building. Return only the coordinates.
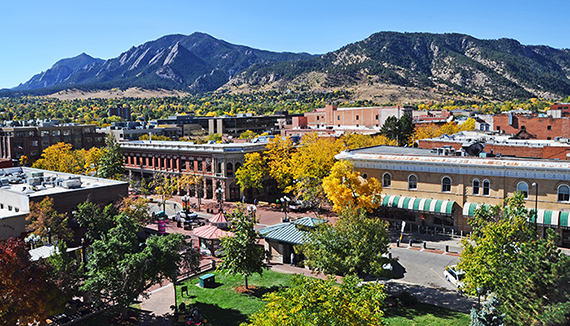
(332, 117)
(32, 140)
(426, 189)
(215, 163)
(532, 125)
(502, 145)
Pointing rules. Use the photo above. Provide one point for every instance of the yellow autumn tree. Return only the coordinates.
(345, 187)
(310, 163)
(278, 153)
(59, 157)
(468, 125)
(252, 172)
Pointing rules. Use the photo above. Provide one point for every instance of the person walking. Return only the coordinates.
(292, 257)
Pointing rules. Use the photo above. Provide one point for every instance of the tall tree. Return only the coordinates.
(539, 290)
(355, 244)
(242, 254)
(45, 221)
(252, 172)
(346, 188)
(119, 269)
(96, 220)
(164, 186)
(399, 130)
(315, 302)
(279, 151)
(26, 295)
(111, 161)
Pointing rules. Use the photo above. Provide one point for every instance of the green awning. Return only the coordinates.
(469, 208)
(419, 204)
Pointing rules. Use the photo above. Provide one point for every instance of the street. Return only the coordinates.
(423, 268)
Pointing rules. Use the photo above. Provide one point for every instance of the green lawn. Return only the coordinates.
(222, 305)
(425, 315)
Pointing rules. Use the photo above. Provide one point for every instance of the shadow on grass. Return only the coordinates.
(420, 309)
(220, 316)
(261, 291)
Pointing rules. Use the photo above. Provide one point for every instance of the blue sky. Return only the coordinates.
(34, 34)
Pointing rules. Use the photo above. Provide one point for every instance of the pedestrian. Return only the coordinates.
(255, 201)
(243, 199)
(292, 257)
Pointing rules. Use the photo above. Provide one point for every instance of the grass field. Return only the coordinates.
(222, 305)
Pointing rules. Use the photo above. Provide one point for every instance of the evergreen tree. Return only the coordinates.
(489, 315)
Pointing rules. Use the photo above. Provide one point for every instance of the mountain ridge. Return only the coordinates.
(446, 63)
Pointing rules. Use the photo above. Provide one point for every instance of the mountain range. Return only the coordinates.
(456, 63)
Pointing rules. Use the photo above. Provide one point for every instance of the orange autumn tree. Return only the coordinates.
(345, 187)
(45, 220)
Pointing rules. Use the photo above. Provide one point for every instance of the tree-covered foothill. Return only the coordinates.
(316, 302)
(355, 244)
(241, 252)
(529, 275)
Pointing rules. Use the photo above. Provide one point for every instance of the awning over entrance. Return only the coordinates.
(469, 208)
(419, 204)
(551, 218)
(544, 217)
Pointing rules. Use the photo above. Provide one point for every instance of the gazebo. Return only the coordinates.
(219, 220)
(280, 238)
(211, 233)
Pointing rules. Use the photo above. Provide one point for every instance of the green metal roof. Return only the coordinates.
(289, 232)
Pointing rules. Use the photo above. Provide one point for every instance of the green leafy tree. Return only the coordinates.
(96, 220)
(66, 272)
(316, 302)
(539, 291)
(111, 161)
(355, 244)
(242, 254)
(119, 269)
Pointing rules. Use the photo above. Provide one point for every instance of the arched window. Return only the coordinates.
(476, 186)
(412, 182)
(446, 184)
(486, 187)
(563, 193)
(386, 180)
(230, 169)
(238, 165)
(523, 187)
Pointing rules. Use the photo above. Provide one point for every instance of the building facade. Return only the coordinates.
(31, 141)
(332, 117)
(20, 186)
(426, 189)
(215, 164)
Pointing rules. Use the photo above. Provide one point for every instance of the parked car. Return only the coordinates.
(190, 216)
(297, 206)
(454, 275)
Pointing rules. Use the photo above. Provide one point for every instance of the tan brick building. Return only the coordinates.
(332, 117)
(423, 188)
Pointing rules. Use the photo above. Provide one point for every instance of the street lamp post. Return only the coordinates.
(285, 201)
(220, 196)
(49, 236)
(535, 185)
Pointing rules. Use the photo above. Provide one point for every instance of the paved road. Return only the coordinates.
(422, 268)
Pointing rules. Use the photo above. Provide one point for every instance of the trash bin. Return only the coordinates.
(207, 280)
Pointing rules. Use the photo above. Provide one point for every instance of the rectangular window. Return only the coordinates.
(376, 117)
(55, 133)
(67, 132)
(317, 118)
(549, 128)
(88, 140)
(45, 133)
(338, 117)
(20, 134)
(34, 143)
(356, 117)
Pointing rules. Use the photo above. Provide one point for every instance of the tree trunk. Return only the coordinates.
(246, 282)
(124, 313)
